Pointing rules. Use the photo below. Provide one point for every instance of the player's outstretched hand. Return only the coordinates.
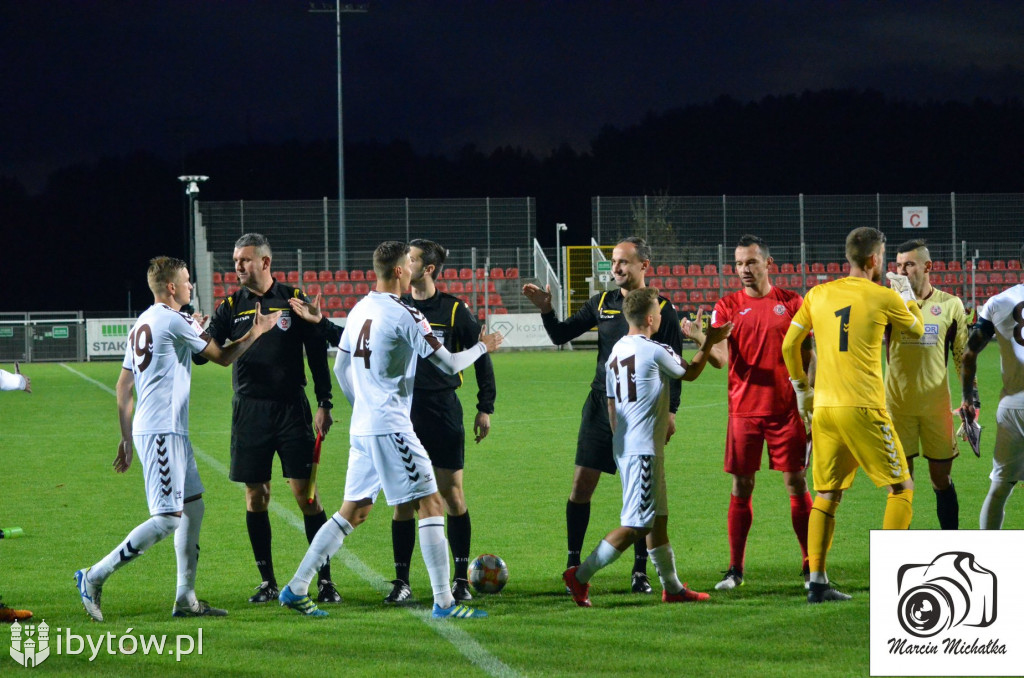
(540, 298)
(901, 284)
(491, 341)
(717, 334)
(28, 382)
(308, 311)
(264, 323)
(123, 460)
(481, 425)
(694, 329)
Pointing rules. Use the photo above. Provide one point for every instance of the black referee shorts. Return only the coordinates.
(259, 428)
(594, 443)
(437, 420)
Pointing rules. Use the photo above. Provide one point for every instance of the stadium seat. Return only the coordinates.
(727, 269)
(441, 285)
(696, 296)
(845, 268)
(995, 277)
(481, 314)
(787, 268)
(703, 282)
(231, 277)
(984, 265)
(773, 267)
(998, 265)
(811, 280)
(1013, 264)
(341, 276)
(687, 283)
(712, 295)
(230, 289)
(734, 283)
(694, 269)
(330, 289)
(512, 273)
(498, 273)
(371, 275)
(833, 267)
(949, 279)
(456, 287)
(679, 270)
(663, 270)
(817, 267)
(362, 289)
(481, 274)
(891, 267)
(334, 302)
(346, 288)
(349, 302)
(218, 292)
(356, 275)
(293, 277)
(679, 297)
(308, 276)
(466, 273)
(938, 266)
(671, 283)
(1011, 278)
(494, 299)
(501, 310)
(654, 282)
(313, 289)
(953, 266)
(326, 276)
(450, 274)
(796, 281)
(992, 290)
(465, 299)
(710, 269)
(217, 279)
(339, 314)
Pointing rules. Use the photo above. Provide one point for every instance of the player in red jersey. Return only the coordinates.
(762, 405)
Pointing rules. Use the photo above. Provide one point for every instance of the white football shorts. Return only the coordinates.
(394, 462)
(643, 490)
(169, 469)
(1008, 456)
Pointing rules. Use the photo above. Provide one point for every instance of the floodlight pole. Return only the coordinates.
(338, 10)
(558, 251)
(191, 182)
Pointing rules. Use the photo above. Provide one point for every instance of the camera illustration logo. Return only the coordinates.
(951, 590)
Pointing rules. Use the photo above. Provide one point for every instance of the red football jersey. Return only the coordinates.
(758, 381)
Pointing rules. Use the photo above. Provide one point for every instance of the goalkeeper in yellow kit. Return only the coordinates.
(851, 427)
(917, 382)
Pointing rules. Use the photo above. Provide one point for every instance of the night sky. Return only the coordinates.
(83, 80)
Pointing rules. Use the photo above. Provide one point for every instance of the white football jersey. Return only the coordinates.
(384, 337)
(1006, 312)
(636, 377)
(159, 354)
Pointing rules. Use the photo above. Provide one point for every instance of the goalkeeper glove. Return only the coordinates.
(804, 399)
(901, 284)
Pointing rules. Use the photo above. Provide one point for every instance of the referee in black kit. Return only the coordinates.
(270, 412)
(436, 414)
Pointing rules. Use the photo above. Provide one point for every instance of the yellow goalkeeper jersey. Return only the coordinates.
(848, 317)
(917, 381)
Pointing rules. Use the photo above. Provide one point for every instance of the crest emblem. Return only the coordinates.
(284, 322)
(30, 644)
(779, 309)
(936, 310)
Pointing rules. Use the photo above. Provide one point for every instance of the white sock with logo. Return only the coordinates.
(664, 559)
(434, 547)
(602, 556)
(186, 548)
(325, 544)
(135, 544)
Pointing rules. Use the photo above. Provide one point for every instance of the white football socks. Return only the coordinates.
(186, 549)
(664, 559)
(135, 544)
(434, 547)
(602, 556)
(325, 544)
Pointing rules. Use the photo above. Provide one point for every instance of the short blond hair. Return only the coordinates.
(637, 304)
(861, 243)
(163, 270)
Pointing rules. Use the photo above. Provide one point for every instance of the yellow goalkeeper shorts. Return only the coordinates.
(931, 434)
(849, 437)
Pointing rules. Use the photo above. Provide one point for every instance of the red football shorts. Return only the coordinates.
(746, 436)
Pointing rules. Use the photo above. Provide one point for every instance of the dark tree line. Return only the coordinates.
(83, 242)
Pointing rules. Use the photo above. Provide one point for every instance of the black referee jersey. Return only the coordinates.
(604, 310)
(453, 324)
(272, 368)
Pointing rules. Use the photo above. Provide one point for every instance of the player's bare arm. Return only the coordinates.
(700, 358)
(125, 407)
(261, 324)
(540, 298)
(694, 331)
(976, 343)
(611, 415)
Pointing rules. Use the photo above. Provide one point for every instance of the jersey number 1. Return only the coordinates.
(629, 373)
(844, 328)
(363, 344)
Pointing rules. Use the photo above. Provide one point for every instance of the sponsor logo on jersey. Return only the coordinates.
(931, 329)
(747, 310)
(779, 309)
(936, 310)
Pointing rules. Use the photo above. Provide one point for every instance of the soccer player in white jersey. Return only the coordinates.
(158, 363)
(1001, 317)
(636, 382)
(16, 381)
(376, 368)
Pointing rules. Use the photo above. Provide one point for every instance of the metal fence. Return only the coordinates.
(809, 231)
(42, 336)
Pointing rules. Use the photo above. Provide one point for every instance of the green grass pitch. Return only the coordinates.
(57, 483)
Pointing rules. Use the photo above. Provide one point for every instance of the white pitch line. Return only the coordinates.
(450, 631)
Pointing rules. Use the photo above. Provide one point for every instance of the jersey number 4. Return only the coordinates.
(363, 344)
(628, 376)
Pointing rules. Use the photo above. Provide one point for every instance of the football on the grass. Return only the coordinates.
(488, 573)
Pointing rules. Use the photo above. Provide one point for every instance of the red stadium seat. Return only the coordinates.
(346, 288)
(679, 270)
(441, 285)
(992, 290)
(833, 267)
(349, 302)
(687, 283)
(663, 270)
(710, 269)
(654, 282)
(938, 266)
(231, 277)
(501, 310)
(466, 273)
(712, 295)
(371, 275)
(984, 265)
(727, 269)
(995, 277)
(734, 283)
(362, 289)
(313, 289)
(341, 276)
(512, 273)
(1013, 264)
(703, 282)
(817, 267)
(330, 289)
(334, 302)
(891, 267)
(450, 274)
(845, 268)
(694, 269)
(280, 276)
(773, 267)
(696, 296)
(1011, 278)
(671, 283)
(498, 273)
(326, 276)
(481, 274)
(787, 268)
(456, 287)
(465, 299)
(796, 281)
(308, 276)
(679, 297)
(481, 314)
(218, 292)
(494, 299)
(953, 266)
(949, 279)
(339, 314)
(998, 265)
(217, 279)
(356, 275)
(293, 277)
